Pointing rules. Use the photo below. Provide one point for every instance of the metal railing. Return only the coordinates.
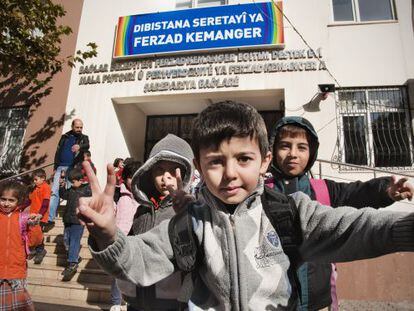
(361, 168)
(26, 172)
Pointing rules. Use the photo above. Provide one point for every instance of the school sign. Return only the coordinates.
(212, 28)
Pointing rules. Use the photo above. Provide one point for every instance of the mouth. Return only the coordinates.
(231, 190)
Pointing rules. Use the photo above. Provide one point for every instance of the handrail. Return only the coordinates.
(27, 172)
(362, 167)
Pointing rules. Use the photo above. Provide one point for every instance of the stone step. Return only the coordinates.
(61, 261)
(58, 238)
(55, 303)
(85, 291)
(59, 228)
(53, 273)
(59, 249)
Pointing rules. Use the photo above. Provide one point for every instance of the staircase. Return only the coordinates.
(89, 289)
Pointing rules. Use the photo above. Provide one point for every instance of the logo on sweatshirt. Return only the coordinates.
(268, 253)
(273, 238)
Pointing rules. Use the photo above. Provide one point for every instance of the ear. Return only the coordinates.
(265, 163)
(197, 166)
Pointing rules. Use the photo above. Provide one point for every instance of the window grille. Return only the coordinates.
(185, 4)
(374, 127)
(363, 10)
(13, 122)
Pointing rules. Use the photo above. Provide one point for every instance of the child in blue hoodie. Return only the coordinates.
(294, 143)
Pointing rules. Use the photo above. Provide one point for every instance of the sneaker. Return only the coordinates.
(38, 258)
(115, 308)
(48, 226)
(69, 271)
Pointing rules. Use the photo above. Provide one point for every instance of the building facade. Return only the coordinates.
(130, 100)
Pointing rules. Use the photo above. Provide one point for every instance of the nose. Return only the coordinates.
(230, 171)
(166, 176)
(293, 152)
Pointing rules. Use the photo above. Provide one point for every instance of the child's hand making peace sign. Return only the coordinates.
(97, 212)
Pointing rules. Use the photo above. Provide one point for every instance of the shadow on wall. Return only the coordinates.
(16, 93)
(32, 153)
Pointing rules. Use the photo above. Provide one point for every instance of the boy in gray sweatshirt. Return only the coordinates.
(244, 266)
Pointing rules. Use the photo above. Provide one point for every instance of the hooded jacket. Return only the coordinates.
(244, 265)
(164, 294)
(315, 278)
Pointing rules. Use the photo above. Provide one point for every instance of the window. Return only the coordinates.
(185, 4)
(363, 10)
(374, 127)
(13, 123)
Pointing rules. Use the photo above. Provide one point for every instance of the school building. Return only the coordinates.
(347, 66)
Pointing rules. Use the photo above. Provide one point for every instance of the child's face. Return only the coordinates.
(292, 154)
(163, 174)
(232, 171)
(76, 183)
(8, 201)
(38, 180)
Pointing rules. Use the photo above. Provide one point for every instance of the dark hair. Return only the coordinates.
(116, 161)
(75, 174)
(291, 130)
(18, 188)
(87, 152)
(130, 169)
(224, 120)
(40, 173)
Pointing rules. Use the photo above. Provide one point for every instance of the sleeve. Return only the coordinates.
(84, 145)
(360, 194)
(58, 152)
(44, 207)
(63, 193)
(346, 234)
(142, 259)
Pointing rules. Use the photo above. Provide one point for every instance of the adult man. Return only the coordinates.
(69, 152)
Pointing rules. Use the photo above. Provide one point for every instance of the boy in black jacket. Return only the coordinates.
(294, 144)
(73, 228)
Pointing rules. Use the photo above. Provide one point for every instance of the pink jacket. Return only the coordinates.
(125, 210)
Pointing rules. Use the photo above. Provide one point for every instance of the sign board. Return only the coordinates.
(203, 29)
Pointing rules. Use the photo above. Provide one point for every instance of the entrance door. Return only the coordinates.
(159, 126)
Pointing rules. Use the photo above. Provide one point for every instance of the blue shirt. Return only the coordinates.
(66, 155)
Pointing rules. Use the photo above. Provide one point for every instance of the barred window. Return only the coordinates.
(185, 4)
(363, 10)
(13, 123)
(375, 127)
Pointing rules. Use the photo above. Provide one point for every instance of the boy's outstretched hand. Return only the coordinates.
(97, 212)
(179, 197)
(400, 189)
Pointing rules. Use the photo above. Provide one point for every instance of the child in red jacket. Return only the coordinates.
(15, 223)
(39, 197)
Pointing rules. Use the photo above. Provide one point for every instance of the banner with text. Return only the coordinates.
(211, 28)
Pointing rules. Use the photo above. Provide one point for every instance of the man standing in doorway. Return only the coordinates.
(69, 152)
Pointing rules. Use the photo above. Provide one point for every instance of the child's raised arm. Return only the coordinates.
(180, 197)
(97, 212)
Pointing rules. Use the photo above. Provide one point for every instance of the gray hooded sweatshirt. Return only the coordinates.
(244, 267)
(163, 295)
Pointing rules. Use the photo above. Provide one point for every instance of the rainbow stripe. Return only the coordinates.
(121, 36)
(276, 22)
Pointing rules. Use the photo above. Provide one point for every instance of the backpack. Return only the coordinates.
(283, 215)
(322, 196)
(23, 224)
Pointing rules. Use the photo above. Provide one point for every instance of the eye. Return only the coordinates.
(214, 162)
(244, 159)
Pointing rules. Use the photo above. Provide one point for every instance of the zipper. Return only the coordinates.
(8, 244)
